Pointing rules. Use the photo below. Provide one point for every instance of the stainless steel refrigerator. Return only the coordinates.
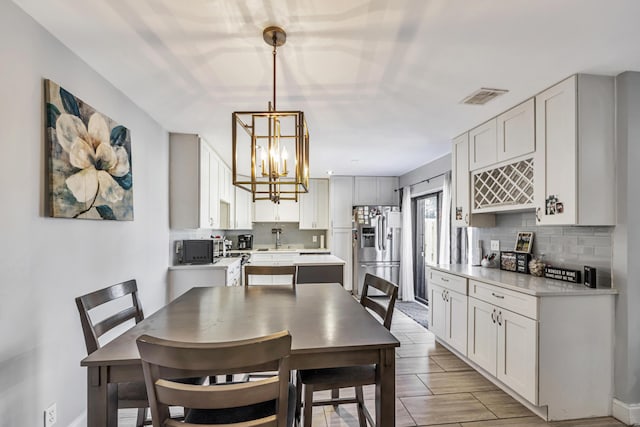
(377, 243)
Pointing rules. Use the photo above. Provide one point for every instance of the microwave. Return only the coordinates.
(202, 251)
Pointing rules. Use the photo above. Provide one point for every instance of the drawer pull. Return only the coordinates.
(497, 296)
(444, 279)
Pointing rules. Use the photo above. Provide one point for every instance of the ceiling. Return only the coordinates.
(380, 81)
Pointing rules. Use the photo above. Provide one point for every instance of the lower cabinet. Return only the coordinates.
(449, 316)
(183, 278)
(505, 344)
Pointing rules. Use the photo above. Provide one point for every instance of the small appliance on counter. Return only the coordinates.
(245, 241)
(202, 251)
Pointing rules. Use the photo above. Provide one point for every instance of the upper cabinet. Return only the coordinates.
(574, 161)
(460, 194)
(516, 131)
(553, 153)
(243, 210)
(193, 183)
(375, 190)
(482, 145)
(341, 201)
(314, 206)
(267, 211)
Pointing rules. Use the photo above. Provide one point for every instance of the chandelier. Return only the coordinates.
(263, 142)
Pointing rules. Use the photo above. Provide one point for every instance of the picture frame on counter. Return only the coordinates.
(524, 242)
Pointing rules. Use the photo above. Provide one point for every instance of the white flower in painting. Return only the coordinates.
(91, 151)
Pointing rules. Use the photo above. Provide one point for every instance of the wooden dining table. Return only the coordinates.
(329, 328)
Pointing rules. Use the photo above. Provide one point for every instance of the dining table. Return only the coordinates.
(329, 328)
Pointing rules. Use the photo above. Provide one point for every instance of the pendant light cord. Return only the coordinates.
(274, 72)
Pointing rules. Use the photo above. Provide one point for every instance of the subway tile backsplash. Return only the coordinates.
(561, 246)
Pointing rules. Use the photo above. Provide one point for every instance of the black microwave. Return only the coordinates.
(195, 251)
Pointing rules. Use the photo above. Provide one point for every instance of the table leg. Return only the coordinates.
(386, 389)
(102, 399)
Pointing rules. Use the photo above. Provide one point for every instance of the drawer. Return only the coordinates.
(526, 305)
(449, 281)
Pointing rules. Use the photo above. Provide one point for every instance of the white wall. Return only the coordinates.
(44, 262)
(427, 171)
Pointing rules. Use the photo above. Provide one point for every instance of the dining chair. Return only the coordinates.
(271, 270)
(131, 394)
(266, 402)
(348, 376)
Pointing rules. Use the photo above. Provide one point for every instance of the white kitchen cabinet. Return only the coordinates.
(448, 314)
(574, 180)
(341, 201)
(243, 210)
(267, 211)
(375, 190)
(225, 183)
(193, 183)
(341, 246)
(483, 145)
(460, 182)
(483, 335)
(516, 131)
(182, 278)
(314, 206)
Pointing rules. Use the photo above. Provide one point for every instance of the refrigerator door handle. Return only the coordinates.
(384, 233)
(378, 246)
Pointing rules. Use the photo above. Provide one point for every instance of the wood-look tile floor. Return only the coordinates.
(433, 388)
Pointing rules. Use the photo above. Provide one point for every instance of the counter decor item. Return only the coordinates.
(515, 261)
(488, 261)
(563, 274)
(589, 276)
(536, 267)
(524, 241)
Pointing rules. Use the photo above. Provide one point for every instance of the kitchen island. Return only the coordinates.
(546, 342)
(312, 268)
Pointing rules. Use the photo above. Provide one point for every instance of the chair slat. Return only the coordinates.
(117, 319)
(271, 421)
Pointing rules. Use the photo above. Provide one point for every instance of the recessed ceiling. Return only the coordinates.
(380, 81)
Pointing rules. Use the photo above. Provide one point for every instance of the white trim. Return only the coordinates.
(628, 413)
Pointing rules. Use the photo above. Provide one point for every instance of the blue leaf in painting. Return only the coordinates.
(69, 103)
(52, 115)
(125, 182)
(118, 135)
(105, 212)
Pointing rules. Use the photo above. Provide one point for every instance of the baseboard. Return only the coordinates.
(628, 413)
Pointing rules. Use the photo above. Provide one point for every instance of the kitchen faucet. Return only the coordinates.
(278, 233)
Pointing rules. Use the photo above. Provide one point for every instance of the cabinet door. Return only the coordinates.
(457, 321)
(438, 312)
(365, 190)
(264, 211)
(214, 191)
(341, 246)
(482, 343)
(555, 169)
(206, 221)
(460, 181)
(341, 201)
(516, 131)
(322, 204)
(307, 206)
(387, 194)
(518, 354)
(243, 210)
(287, 211)
(482, 145)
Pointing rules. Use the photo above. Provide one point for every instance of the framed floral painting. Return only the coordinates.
(90, 160)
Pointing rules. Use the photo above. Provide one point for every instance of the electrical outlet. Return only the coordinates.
(50, 415)
(314, 239)
(495, 245)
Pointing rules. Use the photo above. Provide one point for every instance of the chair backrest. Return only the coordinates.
(89, 301)
(163, 360)
(271, 270)
(386, 287)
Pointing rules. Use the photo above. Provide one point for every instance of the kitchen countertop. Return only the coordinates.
(259, 250)
(301, 260)
(222, 263)
(525, 283)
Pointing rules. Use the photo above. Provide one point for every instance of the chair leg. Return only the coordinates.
(308, 405)
(298, 398)
(142, 416)
(362, 419)
(335, 395)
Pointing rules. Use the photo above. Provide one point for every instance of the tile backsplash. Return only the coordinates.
(561, 246)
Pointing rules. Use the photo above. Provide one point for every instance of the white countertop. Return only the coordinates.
(222, 263)
(303, 260)
(259, 250)
(525, 283)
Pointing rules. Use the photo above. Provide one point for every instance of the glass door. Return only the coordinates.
(427, 214)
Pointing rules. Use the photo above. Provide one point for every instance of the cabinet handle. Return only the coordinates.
(444, 279)
(499, 317)
(493, 316)
(538, 214)
(497, 296)
(466, 219)
(442, 295)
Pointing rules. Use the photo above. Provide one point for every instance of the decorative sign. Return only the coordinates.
(563, 274)
(514, 261)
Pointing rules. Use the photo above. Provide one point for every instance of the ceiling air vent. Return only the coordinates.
(483, 95)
